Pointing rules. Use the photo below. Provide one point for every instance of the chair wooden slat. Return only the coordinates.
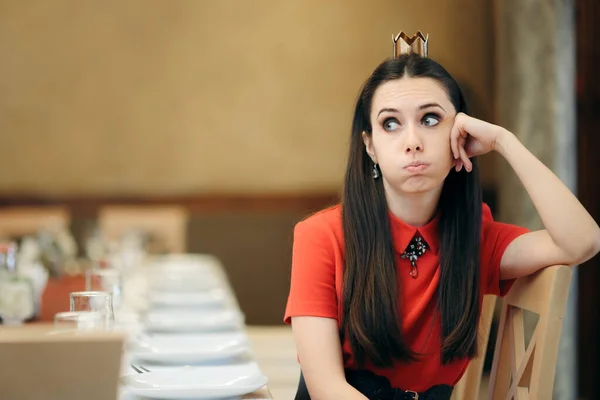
(520, 371)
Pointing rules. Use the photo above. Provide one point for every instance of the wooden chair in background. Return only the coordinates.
(522, 371)
(38, 363)
(22, 221)
(167, 223)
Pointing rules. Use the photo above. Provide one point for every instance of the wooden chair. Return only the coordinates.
(22, 221)
(167, 223)
(519, 371)
(469, 385)
(38, 363)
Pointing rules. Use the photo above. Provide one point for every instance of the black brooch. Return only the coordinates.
(415, 249)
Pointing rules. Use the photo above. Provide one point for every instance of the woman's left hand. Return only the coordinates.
(471, 137)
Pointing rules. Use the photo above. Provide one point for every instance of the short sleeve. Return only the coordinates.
(496, 237)
(312, 286)
(486, 213)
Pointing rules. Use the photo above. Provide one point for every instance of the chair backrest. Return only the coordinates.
(22, 221)
(527, 372)
(523, 370)
(167, 223)
(38, 364)
(469, 385)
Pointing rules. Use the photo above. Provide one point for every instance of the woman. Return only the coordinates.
(386, 288)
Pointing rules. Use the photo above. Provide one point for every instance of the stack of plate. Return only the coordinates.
(191, 343)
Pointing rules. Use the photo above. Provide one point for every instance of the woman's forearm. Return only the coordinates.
(568, 223)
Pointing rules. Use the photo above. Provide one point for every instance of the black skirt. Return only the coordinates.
(376, 387)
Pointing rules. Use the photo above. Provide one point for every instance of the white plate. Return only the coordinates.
(206, 382)
(189, 348)
(210, 298)
(187, 259)
(167, 320)
(182, 281)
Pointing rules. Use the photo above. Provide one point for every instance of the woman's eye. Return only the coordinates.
(390, 124)
(430, 120)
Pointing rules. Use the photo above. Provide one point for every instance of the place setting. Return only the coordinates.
(191, 343)
(185, 334)
(234, 381)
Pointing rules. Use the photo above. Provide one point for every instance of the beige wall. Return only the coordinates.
(178, 97)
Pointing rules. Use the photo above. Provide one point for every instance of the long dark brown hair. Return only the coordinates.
(370, 317)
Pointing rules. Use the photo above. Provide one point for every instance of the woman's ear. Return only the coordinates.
(368, 141)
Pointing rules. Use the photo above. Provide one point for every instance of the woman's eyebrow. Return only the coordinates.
(422, 107)
(387, 109)
(428, 105)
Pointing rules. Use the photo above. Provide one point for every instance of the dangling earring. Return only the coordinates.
(375, 171)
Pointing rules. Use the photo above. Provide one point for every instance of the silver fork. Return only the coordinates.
(140, 369)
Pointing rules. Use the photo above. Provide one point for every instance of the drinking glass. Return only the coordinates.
(79, 321)
(106, 280)
(100, 302)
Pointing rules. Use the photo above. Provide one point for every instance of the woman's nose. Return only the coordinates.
(413, 141)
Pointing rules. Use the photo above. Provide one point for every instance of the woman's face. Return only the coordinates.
(411, 119)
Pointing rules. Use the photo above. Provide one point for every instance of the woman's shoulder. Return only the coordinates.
(326, 220)
(486, 213)
(330, 216)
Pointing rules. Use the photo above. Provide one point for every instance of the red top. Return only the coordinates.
(316, 289)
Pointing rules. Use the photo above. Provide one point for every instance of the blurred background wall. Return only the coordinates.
(193, 97)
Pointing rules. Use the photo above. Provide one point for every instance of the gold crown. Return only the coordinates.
(404, 44)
